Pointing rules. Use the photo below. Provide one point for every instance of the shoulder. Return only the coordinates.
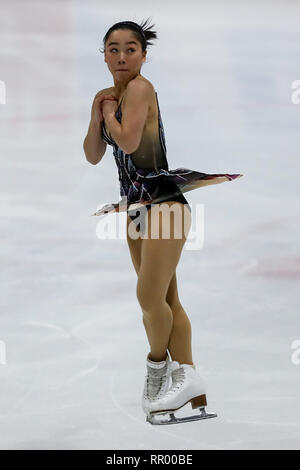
(140, 87)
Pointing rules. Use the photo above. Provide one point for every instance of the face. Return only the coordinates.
(125, 56)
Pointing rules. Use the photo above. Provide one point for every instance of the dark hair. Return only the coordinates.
(134, 27)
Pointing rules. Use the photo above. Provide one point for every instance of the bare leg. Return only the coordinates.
(180, 342)
(159, 258)
(179, 346)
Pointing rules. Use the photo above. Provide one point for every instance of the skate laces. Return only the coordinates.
(155, 381)
(178, 377)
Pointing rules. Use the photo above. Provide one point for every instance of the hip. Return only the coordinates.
(165, 191)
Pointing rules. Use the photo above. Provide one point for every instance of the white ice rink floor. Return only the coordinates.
(72, 341)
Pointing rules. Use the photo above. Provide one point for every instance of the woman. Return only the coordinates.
(127, 116)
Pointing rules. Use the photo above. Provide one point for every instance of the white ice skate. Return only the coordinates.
(187, 386)
(157, 381)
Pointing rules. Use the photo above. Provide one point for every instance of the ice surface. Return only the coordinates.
(70, 321)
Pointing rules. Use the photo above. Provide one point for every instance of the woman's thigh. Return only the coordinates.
(153, 252)
(160, 224)
(160, 256)
(135, 246)
(159, 259)
(167, 220)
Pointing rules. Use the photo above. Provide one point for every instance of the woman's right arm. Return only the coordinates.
(93, 145)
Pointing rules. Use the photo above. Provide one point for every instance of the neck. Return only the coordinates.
(121, 85)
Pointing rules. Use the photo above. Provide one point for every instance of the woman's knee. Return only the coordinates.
(177, 309)
(150, 296)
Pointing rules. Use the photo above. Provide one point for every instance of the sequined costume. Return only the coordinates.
(145, 176)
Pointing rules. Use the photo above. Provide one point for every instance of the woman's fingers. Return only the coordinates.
(109, 97)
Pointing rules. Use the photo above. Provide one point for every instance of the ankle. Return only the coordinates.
(157, 358)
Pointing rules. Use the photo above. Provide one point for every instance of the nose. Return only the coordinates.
(121, 57)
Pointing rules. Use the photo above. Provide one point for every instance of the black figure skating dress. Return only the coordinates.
(145, 177)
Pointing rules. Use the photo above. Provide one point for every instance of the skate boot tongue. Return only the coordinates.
(175, 365)
(157, 380)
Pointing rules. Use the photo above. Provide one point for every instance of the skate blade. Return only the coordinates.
(152, 419)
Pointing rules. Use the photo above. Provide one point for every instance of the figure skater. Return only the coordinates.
(127, 117)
